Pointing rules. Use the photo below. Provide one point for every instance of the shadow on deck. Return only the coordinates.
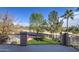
(36, 48)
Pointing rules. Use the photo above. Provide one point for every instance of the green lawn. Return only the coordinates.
(45, 41)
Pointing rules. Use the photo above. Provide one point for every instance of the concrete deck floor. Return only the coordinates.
(36, 48)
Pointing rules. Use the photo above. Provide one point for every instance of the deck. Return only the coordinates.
(36, 48)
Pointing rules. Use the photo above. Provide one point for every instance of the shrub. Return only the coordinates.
(3, 38)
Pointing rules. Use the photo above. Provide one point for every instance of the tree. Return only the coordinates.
(6, 27)
(52, 21)
(36, 20)
(44, 25)
(58, 27)
(68, 15)
(6, 24)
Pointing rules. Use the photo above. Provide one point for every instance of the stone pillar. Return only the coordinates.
(23, 38)
(65, 38)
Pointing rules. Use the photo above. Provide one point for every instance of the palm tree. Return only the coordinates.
(68, 15)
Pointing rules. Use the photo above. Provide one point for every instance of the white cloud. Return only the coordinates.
(20, 21)
(76, 13)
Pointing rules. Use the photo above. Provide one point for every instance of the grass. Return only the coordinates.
(45, 41)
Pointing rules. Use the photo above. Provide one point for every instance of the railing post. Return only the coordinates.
(65, 38)
(23, 38)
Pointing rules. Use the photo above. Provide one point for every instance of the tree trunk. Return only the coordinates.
(67, 25)
(52, 35)
(37, 35)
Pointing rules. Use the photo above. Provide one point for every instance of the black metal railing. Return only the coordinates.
(22, 37)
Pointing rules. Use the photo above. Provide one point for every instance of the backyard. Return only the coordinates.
(51, 28)
(45, 41)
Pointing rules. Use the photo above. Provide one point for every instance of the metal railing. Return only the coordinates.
(18, 38)
(73, 40)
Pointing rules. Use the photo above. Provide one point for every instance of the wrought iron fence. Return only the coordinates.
(18, 38)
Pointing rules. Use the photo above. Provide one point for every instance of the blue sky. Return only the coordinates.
(21, 14)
